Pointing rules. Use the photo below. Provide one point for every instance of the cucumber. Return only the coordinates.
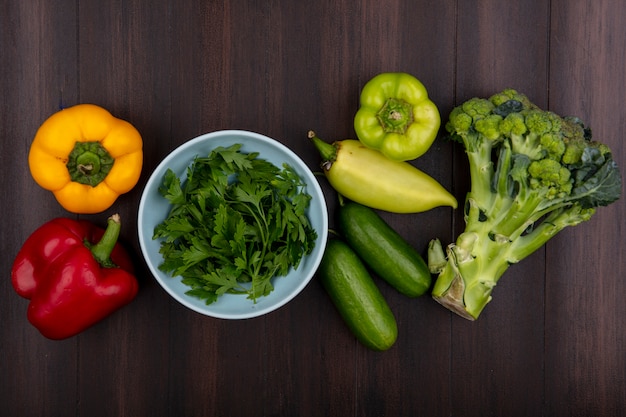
(382, 249)
(356, 296)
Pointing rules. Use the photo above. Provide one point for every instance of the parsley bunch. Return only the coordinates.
(235, 222)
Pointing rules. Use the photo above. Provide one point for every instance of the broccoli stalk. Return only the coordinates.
(532, 173)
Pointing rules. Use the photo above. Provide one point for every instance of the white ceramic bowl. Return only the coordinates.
(153, 209)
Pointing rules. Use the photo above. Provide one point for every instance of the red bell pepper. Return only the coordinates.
(71, 281)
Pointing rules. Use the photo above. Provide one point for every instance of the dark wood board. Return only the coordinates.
(551, 343)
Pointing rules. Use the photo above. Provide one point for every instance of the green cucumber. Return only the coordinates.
(382, 249)
(356, 296)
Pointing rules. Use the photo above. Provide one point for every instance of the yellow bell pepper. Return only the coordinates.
(86, 157)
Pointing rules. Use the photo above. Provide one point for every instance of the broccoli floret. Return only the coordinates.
(461, 121)
(463, 118)
(551, 175)
(514, 124)
(532, 173)
(538, 126)
(573, 152)
(553, 145)
(477, 108)
(548, 173)
(489, 126)
(510, 94)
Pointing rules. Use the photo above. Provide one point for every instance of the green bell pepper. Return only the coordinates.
(396, 116)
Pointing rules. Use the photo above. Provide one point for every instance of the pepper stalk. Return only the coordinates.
(102, 249)
(89, 163)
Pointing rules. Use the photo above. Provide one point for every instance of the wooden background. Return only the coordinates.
(550, 344)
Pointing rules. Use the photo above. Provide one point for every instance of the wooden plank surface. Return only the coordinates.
(585, 312)
(551, 343)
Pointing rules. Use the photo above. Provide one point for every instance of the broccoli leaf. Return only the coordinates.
(600, 189)
(508, 107)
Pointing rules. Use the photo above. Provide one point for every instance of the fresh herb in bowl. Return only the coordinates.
(236, 222)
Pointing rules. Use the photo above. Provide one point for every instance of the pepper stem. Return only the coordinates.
(327, 150)
(89, 163)
(395, 116)
(102, 250)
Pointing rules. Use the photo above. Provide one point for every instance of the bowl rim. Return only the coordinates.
(313, 188)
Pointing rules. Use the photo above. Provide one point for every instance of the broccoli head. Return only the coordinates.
(532, 173)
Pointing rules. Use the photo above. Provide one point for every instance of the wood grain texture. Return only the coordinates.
(585, 310)
(551, 343)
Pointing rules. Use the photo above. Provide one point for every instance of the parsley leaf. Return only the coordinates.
(236, 222)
